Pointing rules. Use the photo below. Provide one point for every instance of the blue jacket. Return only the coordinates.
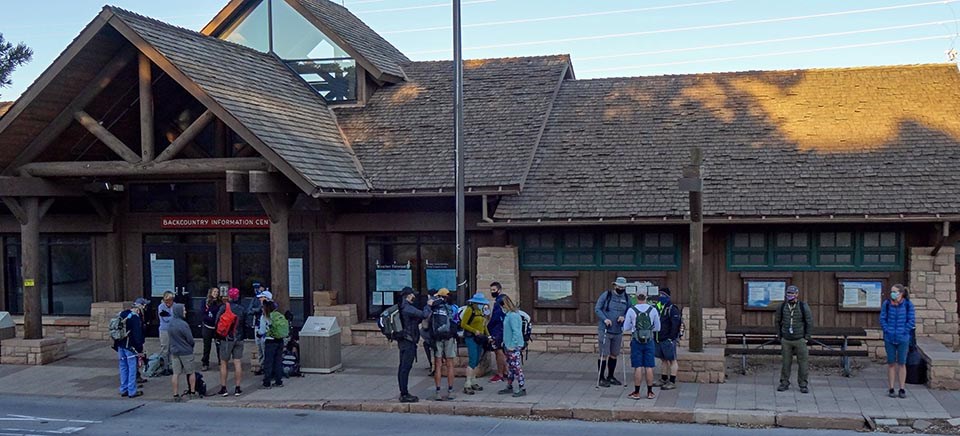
(495, 326)
(617, 307)
(897, 321)
(512, 331)
(134, 340)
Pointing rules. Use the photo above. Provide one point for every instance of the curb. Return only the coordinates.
(727, 417)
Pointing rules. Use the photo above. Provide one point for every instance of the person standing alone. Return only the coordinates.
(794, 326)
(897, 319)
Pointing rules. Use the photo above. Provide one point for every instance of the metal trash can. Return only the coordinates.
(8, 329)
(320, 345)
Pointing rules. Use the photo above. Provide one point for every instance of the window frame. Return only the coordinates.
(599, 250)
(814, 250)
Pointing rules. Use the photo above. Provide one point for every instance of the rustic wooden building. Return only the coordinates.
(308, 153)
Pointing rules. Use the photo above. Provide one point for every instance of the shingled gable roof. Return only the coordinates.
(263, 95)
(5, 106)
(805, 143)
(404, 134)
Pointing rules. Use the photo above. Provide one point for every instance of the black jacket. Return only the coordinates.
(134, 340)
(670, 321)
(411, 317)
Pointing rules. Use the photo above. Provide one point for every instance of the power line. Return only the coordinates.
(560, 17)
(771, 54)
(430, 6)
(765, 41)
(690, 28)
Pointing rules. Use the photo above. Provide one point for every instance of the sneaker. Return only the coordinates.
(668, 386)
(266, 385)
(891, 393)
(192, 395)
(278, 385)
(476, 387)
(237, 391)
(902, 394)
(450, 395)
(437, 396)
(205, 367)
(782, 388)
(804, 390)
(468, 390)
(496, 378)
(258, 372)
(651, 395)
(136, 394)
(505, 391)
(613, 381)
(177, 399)
(634, 396)
(520, 393)
(223, 391)
(408, 398)
(124, 394)
(604, 383)
(659, 383)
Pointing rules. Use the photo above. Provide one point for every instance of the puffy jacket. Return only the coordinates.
(897, 321)
(801, 323)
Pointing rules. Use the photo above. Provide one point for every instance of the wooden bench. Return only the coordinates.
(830, 342)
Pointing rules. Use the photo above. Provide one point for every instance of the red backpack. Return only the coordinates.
(227, 324)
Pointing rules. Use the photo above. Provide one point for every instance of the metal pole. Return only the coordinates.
(458, 143)
(696, 257)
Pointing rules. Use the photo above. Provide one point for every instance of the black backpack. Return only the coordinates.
(391, 323)
(441, 323)
(200, 386)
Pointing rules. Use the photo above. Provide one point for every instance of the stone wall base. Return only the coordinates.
(346, 315)
(943, 364)
(706, 367)
(73, 327)
(18, 351)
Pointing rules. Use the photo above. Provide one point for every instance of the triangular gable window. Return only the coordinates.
(306, 50)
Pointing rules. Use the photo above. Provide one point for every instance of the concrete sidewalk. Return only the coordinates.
(559, 386)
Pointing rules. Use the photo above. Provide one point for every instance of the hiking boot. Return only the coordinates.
(520, 393)
(782, 388)
(604, 383)
(496, 378)
(408, 398)
(613, 381)
(804, 390)
(506, 391)
(476, 387)
(468, 390)
(237, 391)
(668, 386)
(223, 391)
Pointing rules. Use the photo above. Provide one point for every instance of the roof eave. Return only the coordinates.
(717, 220)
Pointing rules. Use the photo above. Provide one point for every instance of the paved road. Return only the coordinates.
(36, 416)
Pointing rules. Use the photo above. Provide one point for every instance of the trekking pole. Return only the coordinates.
(623, 367)
(603, 340)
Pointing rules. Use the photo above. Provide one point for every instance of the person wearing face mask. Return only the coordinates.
(794, 326)
(495, 326)
(897, 319)
(611, 309)
(667, 338)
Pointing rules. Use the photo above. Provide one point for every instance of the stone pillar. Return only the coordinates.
(499, 264)
(933, 291)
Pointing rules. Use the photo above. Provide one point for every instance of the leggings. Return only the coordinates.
(514, 366)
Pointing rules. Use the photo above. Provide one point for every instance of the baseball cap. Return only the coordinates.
(443, 292)
(233, 293)
(141, 302)
(266, 294)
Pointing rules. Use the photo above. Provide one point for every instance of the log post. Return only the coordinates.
(30, 268)
(278, 208)
(696, 251)
(147, 133)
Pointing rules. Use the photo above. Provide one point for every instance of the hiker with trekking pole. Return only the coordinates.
(611, 310)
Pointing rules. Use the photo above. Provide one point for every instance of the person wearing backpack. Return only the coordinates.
(127, 334)
(165, 315)
(611, 310)
(181, 353)
(794, 325)
(513, 345)
(277, 329)
(667, 338)
(495, 326)
(476, 336)
(230, 340)
(255, 316)
(429, 348)
(444, 332)
(643, 322)
(897, 320)
(410, 318)
(209, 326)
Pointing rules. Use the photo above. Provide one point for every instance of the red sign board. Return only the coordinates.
(215, 222)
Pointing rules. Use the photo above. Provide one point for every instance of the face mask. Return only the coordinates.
(665, 300)
(791, 297)
(495, 294)
(894, 295)
(621, 291)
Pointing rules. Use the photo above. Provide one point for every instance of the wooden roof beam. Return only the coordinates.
(125, 169)
(104, 135)
(263, 182)
(37, 187)
(147, 133)
(186, 137)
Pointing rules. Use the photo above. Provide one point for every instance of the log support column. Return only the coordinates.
(278, 207)
(29, 211)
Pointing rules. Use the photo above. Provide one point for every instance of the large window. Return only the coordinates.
(600, 250)
(173, 197)
(65, 276)
(828, 250)
(305, 49)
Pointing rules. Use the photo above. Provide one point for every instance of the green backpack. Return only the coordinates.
(643, 327)
(279, 327)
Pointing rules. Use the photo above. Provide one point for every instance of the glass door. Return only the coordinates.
(251, 264)
(183, 264)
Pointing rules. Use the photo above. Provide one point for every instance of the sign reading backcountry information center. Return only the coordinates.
(215, 222)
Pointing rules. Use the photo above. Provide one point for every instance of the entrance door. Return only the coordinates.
(251, 264)
(185, 264)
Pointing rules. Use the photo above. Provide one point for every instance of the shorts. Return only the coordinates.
(497, 343)
(183, 364)
(445, 348)
(667, 350)
(642, 355)
(230, 350)
(896, 353)
(610, 344)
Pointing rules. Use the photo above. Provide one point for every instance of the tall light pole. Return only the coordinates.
(458, 144)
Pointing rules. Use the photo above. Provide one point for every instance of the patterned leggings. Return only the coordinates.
(515, 370)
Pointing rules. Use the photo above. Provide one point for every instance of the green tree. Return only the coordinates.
(11, 57)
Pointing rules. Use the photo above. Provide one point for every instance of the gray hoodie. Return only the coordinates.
(181, 338)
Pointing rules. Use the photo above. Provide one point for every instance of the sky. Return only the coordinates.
(606, 38)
